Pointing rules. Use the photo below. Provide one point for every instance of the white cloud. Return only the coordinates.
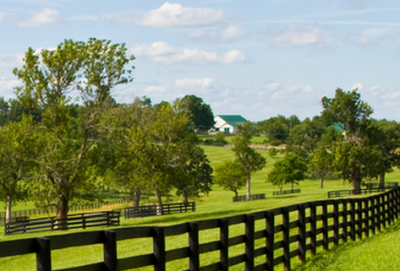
(295, 35)
(358, 86)
(38, 18)
(2, 17)
(373, 36)
(7, 87)
(224, 35)
(156, 89)
(175, 15)
(11, 61)
(194, 83)
(162, 52)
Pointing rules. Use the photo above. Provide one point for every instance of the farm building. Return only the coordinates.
(228, 123)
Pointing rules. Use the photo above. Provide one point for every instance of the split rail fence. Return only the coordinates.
(74, 221)
(267, 239)
(52, 210)
(252, 197)
(151, 210)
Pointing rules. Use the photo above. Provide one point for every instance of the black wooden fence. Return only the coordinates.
(354, 192)
(269, 238)
(285, 192)
(252, 197)
(74, 221)
(151, 210)
(386, 185)
(52, 210)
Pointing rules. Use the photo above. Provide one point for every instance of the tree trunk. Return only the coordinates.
(62, 212)
(136, 197)
(8, 210)
(356, 186)
(248, 188)
(382, 180)
(185, 196)
(321, 183)
(159, 203)
(236, 193)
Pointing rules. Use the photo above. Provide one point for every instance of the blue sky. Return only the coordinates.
(254, 58)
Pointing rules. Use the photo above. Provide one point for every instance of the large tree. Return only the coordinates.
(202, 116)
(355, 157)
(53, 79)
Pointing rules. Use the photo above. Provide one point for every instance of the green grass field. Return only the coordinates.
(217, 204)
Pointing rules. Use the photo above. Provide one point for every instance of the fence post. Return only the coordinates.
(336, 223)
(359, 218)
(313, 227)
(367, 216)
(110, 250)
(352, 220)
(345, 224)
(373, 215)
(302, 232)
(224, 240)
(250, 220)
(43, 254)
(286, 236)
(379, 213)
(194, 260)
(325, 243)
(159, 248)
(270, 239)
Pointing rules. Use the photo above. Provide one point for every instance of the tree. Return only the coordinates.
(321, 164)
(355, 157)
(273, 152)
(230, 176)
(193, 171)
(202, 116)
(88, 70)
(16, 161)
(249, 159)
(291, 169)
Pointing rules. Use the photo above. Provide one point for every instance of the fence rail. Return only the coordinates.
(52, 210)
(252, 197)
(84, 220)
(153, 210)
(386, 185)
(285, 192)
(343, 193)
(280, 234)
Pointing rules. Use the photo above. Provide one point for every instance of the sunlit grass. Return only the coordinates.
(216, 205)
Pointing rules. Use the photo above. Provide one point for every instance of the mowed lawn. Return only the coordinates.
(216, 205)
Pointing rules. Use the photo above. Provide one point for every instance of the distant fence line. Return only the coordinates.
(252, 197)
(52, 210)
(151, 210)
(284, 233)
(386, 185)
(285, 192)
(74, 221)
(355, 192)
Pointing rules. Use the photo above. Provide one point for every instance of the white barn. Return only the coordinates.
(228, 123)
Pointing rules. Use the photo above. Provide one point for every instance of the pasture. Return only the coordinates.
(217, 204)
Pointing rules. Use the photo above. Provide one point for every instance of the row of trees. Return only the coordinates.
(64, 132)
(343, 141)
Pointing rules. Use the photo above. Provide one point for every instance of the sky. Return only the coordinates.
(256, 58)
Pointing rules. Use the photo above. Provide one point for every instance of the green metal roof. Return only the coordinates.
(233, 120)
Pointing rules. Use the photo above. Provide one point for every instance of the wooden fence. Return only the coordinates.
(52, 210)
(151, 210)
(268, 238)
(386, 185)
(344, 193)
(74, 221)
(285, 192)
(252, 197)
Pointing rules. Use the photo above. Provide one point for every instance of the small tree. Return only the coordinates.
(273, 152)
(321, 164)
(230, 176)
(291, 169)
(249, 159)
